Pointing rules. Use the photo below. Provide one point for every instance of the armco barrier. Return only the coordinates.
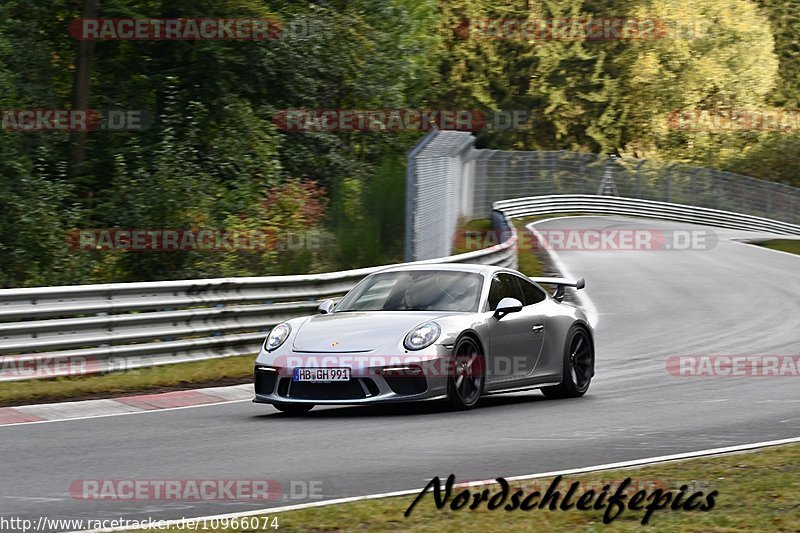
(53, 331)
(615, 205)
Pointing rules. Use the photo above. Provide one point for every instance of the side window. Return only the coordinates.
(532, 293)
(504, 286)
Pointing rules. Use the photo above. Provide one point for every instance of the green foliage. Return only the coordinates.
(774, 157)
(215, 159)
(563, 84)
(34, 194)
(32, 225)
(368, 216)
(716, 56)
(785, 21)
(212, 158)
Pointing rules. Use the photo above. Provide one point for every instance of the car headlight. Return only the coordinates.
(422, 336)
(277, 336)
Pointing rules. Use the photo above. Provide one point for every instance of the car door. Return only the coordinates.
(533, 296)
(515, 338)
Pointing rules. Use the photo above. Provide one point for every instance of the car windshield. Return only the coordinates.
(415, 290)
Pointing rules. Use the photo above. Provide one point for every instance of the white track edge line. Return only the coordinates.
(582, 470)
(586, 303)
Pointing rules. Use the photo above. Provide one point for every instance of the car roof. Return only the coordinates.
(453, 267)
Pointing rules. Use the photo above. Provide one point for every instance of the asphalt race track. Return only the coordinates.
(732, 299)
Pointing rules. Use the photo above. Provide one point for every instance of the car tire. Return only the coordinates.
(466, 380)
(578, 367)
(293, 408)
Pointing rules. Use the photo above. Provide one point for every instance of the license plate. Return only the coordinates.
(321, 375)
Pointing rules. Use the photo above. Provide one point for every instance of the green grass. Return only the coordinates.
(528, 261)
(179, 376)
(757, 491)
(481, 225)
(784, 245)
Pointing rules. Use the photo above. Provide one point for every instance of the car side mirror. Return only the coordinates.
(326, 307)
(506, 306)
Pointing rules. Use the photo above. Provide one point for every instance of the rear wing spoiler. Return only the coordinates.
(560, 283)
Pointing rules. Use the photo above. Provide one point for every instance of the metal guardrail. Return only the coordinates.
(615, 205)
(59, 331)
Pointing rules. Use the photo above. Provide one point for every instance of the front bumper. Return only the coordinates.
(375, 379)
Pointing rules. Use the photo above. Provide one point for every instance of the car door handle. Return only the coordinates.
(537, 328)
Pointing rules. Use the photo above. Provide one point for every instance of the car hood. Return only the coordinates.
(357, 331)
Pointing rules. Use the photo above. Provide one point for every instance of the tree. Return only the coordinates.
(714, 55)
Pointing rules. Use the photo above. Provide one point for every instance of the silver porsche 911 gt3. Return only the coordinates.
(427, 332)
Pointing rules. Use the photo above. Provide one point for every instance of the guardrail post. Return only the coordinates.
(607, 185)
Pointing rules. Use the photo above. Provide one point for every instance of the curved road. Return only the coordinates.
(732, 299)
